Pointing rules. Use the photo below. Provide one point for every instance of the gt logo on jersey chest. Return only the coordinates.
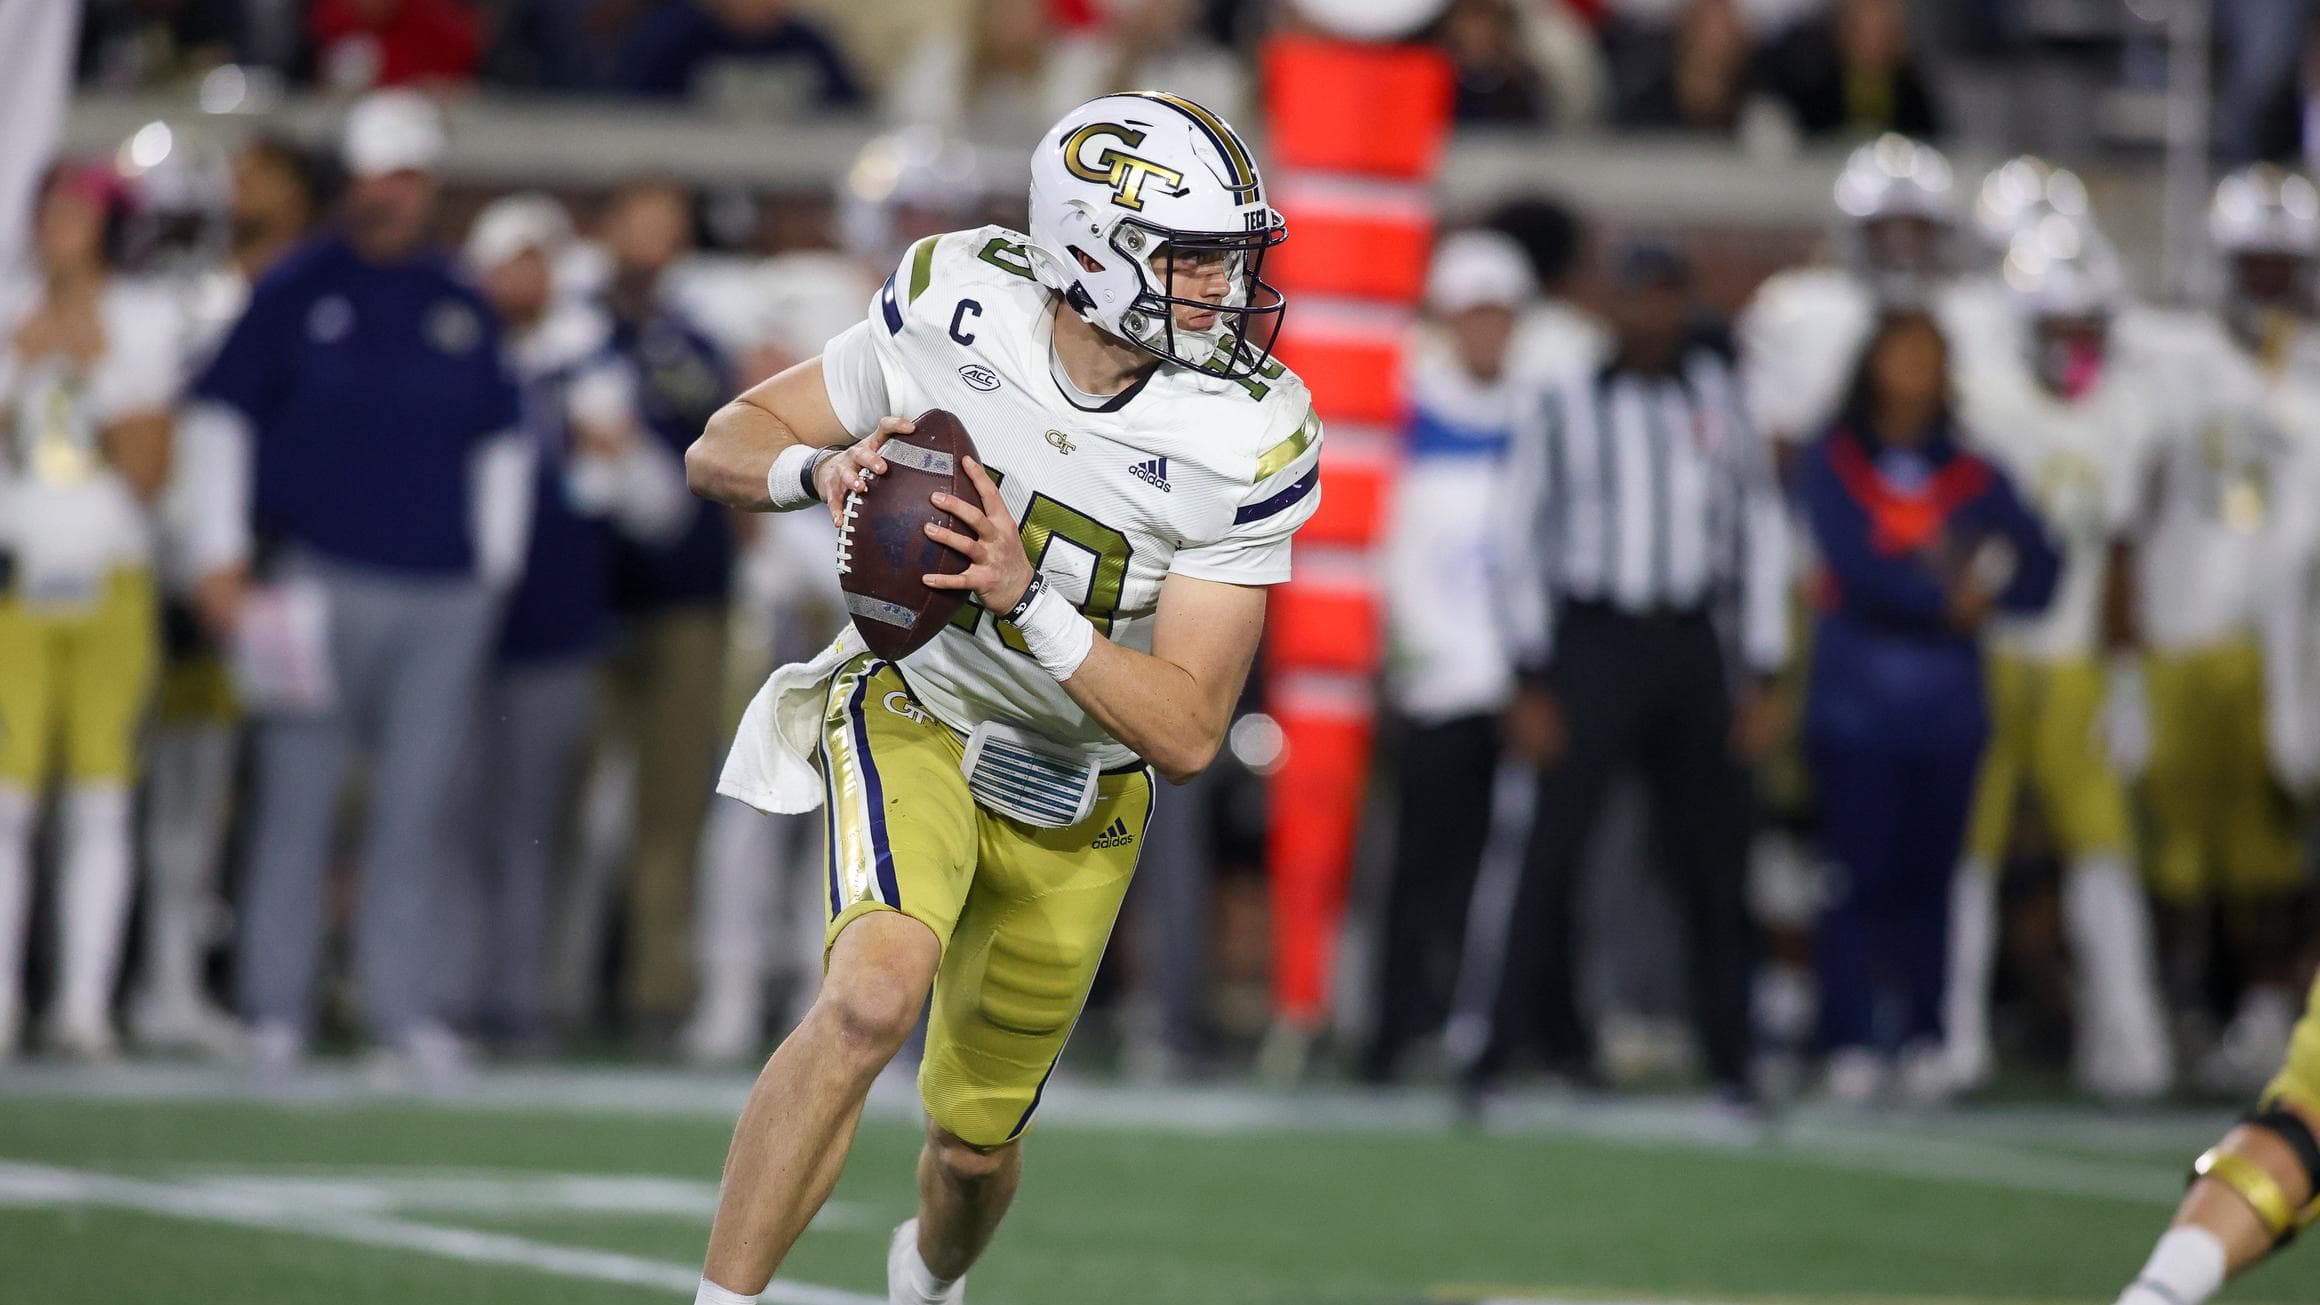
(1060, 442)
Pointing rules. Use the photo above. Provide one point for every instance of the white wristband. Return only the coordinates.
(790, 485)
(1057, 635)
(710, 1293)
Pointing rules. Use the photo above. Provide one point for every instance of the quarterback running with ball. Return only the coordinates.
(986, 797)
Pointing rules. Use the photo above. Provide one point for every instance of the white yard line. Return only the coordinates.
(23, 1184)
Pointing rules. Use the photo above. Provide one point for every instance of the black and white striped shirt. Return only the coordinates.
(1647, 493)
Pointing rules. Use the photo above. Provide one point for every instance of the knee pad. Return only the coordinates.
(2256, 1186)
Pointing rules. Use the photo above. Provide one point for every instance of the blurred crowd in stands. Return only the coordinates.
(364, 666)
(1766, 70)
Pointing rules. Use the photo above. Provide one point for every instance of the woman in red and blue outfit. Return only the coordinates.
(1919, 541)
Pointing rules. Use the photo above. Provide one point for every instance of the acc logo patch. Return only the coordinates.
(453, 327)
(979, 376)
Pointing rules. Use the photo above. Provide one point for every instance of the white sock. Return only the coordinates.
(2185, 1268)
(190, 771)
(922, 1279)
(712, 1294)
(16, 821)
(1973, 947)
(2124, 1048)
(94, 903)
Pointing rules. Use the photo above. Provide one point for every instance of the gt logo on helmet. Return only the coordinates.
(1124, 173)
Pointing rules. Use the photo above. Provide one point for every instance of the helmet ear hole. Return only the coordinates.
(1087, 261)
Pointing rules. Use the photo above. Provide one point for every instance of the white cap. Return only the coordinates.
(1478, 269)
(513, 224)
(392, 131)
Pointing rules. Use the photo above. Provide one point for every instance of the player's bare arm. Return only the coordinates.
(733, 462)
(1172, 705)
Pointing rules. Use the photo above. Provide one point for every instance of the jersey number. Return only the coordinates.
(1086, 560)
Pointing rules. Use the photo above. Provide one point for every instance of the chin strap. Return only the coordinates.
(2256, 1186)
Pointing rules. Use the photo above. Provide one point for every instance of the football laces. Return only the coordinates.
(846, 530)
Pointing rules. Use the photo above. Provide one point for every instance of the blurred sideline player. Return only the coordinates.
(89, 373)
(595, 471)
(903, 187)
(2252, 1192)
(2077, 427)
(1896, 242)
(1114, 366)
(218, 223)
(2224, 830)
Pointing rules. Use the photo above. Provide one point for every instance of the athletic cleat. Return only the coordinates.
(185, 1023)
(906, 1277)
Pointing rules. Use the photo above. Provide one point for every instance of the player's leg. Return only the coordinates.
(1013, 982)
(547, 710)
(1973, 904)
(2124, 1050)
(2178, 783)
(27, 693)
(1699, 798)
(1859, 793)
(108, 675)
(188, 800)
(2252, 1192)
(432, 644)
(2260, 879)
(901, 854)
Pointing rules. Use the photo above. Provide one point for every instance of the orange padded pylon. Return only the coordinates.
(1355, 133)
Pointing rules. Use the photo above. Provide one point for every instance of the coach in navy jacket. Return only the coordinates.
(1919, 542)
(388, 478)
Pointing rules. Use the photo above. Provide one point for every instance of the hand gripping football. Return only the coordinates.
(882, 543)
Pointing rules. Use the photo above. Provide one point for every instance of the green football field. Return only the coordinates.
(587, 1187)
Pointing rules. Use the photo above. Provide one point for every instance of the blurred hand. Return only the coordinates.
(610, 441)
(217, 601)
(1969, 606)
(1759, 718)
(1534, 727)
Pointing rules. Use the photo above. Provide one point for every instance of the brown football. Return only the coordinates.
(882, 543)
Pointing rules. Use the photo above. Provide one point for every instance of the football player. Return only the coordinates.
(1148, 464)
(1896, 241)
(2252, 1192)
(214, 224)
(2078, 431)
(2223, 828)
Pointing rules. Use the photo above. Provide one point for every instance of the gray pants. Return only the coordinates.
(519, 780)
(408, 655)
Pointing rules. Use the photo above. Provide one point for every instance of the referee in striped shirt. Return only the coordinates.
(1643, 555)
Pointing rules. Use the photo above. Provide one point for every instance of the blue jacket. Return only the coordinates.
(368, 387)
(1890, 525)
(682, 378)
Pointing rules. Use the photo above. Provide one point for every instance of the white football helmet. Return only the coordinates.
(2066, 285)
(183, 185)
(1897, 214)
(2265, 210)
(2020, 192)
(1126, 184)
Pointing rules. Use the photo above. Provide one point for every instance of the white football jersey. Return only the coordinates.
(1801, 336)
(1185, 473)
(2202, 547)
(2084, 466)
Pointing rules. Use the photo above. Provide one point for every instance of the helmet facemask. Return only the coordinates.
(1181, 273)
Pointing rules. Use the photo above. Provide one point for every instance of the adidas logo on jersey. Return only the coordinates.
(1153, 473)
(1116, 833)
